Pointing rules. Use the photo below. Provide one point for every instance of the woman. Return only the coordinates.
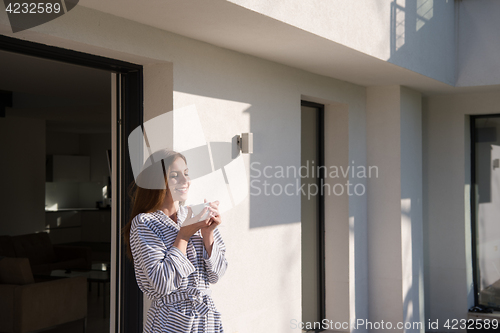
(174, 265)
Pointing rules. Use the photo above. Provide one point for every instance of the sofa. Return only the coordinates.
(29, 303)
(43, 256)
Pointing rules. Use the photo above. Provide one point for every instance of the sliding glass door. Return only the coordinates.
(312, 214)
(486, 209)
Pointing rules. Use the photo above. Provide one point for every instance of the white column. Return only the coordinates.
(337, 240)
(345, 216)
(395, 246)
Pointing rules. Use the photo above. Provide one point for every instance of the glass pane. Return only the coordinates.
(487, 174)
(309, 218)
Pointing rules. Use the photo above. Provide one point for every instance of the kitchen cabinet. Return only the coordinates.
(68, 168)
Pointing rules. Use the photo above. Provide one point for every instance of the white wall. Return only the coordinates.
(478, 47)
(415, 34)
(446, 150)
(234, 93)
(411, 207)
(384, 205)
(395, 244)
(339, 236)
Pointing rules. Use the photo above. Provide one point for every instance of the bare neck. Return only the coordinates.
(169, 207)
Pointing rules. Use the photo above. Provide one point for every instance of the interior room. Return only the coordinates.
(55, 152)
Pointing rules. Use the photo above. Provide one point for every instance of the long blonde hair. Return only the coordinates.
(146, 198)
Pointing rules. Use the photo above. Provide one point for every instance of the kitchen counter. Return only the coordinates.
(75, 209)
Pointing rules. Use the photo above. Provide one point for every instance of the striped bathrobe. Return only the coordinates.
(178, 284)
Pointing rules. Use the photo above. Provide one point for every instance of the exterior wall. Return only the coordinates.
(248, 94)
(236, 93)
(384, 211)
(345, 243)
(395, 243)
(412, 249)
(478, 47)
(418, 35)
(233, 93)
(446, 147)
(337, 231)
(358, 215)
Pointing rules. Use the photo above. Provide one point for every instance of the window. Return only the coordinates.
(485, 209)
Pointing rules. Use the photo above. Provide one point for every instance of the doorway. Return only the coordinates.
(124, 113)
(312, 213)
(485, 209)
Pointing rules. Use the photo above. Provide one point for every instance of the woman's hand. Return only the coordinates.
(214, 220)
(186, 232)
(208, 232)
(190, 229)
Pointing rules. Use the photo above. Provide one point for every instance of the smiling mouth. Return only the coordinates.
(182, 190)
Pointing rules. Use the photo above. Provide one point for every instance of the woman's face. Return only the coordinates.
(178, 180)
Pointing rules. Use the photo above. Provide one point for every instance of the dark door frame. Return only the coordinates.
(130, 116)
(473, 199)
(320, 128)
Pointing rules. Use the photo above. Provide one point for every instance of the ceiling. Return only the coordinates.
(230, 26)
(70, 98)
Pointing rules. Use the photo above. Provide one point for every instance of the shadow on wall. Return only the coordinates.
(420, 42)
(274, 187)
(412, 266)
(273, 119)
(217, 168)
(422, 37)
